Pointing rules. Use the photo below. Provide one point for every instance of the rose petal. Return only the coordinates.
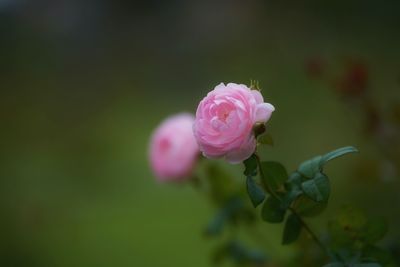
(257, 96)
(264, 112)
(244, 152)
(224, 121)
(220, 86)
(173, 148)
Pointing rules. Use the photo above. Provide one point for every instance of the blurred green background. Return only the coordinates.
(84, 83)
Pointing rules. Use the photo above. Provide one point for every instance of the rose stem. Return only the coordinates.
(273, 194)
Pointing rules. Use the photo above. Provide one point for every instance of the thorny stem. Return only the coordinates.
(294, 212)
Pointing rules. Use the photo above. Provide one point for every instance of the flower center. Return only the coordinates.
(223, 113)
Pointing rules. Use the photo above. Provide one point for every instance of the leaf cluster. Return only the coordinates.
(303, 193)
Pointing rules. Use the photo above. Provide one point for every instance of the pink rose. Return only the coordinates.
(225, 119)
(173, 148)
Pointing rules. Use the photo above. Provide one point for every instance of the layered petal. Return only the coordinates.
(264, 112)
(173, 148)
(224, 121)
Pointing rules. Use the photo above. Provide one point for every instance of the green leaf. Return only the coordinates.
(337, 153)
(374, 230)
(292, 229)
(293, 190)
(295, 180)
(310, 167)
(275, 174)
(250, 166)
(318, 188)
(216, 224)
(289, 197)
(237, 252)
(232, 207)
(266, 139)
(309, 208)
(242, 255)
(272, 211)
(255, 192)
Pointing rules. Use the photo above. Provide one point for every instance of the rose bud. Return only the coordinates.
(225, 119)
(173, 148)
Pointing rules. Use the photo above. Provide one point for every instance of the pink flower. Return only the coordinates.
(173, 148)
(225, 119)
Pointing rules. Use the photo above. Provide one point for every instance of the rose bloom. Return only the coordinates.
(225, 119)
(173, 148)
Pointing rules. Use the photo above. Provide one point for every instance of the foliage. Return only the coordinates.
(289, 199)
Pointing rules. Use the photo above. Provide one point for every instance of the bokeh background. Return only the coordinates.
(84, 83)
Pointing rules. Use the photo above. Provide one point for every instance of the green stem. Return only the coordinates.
(266, 186)
(276, 196)
(308, 229)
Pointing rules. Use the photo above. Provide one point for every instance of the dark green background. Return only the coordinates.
(83, 84)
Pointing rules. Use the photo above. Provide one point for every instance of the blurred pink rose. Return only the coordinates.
(225, 119)
(173, 148)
